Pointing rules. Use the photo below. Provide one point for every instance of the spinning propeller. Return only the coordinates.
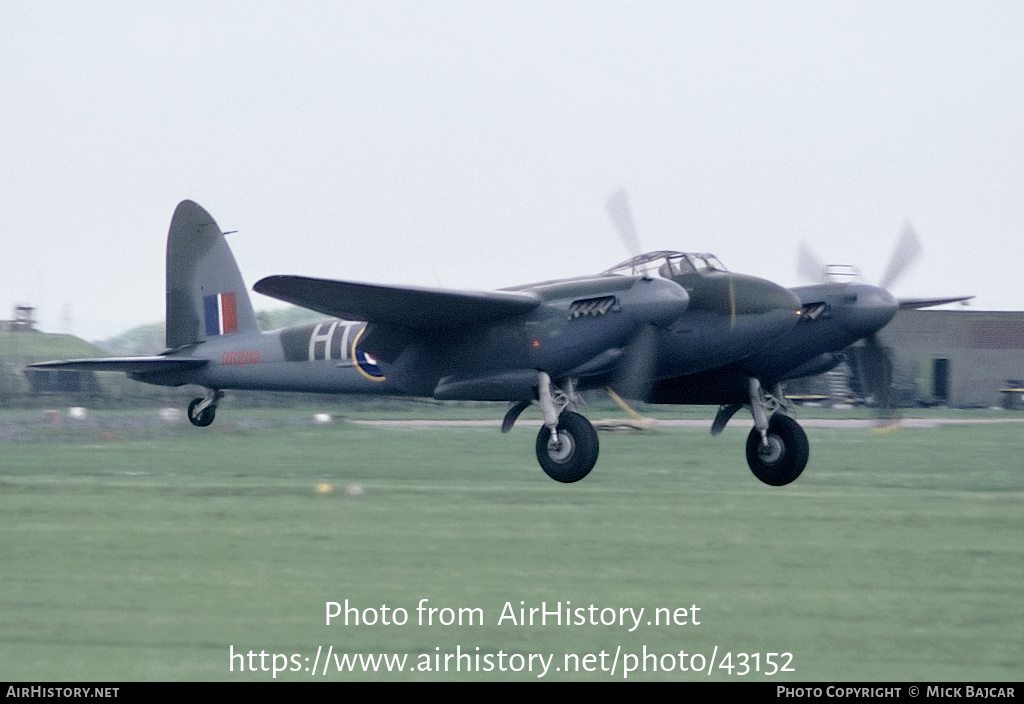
(622, 216)
(636, 370)
(908, 250)
(873, 360)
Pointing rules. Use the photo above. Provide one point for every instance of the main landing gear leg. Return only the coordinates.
(777, 447)
(202, 410)
(567, 444)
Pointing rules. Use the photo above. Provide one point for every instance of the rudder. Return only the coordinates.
(206, 295)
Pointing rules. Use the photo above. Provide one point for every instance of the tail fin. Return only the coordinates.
(206, 296)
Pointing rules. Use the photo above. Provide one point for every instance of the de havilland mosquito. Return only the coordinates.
(665, 327)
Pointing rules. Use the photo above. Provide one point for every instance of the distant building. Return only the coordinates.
(959, 358)
(21, 344)
(24, 320)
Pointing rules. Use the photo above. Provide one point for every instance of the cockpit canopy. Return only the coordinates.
(666, 264)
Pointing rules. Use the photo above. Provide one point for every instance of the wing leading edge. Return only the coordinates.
(406, 306)
(917, 303)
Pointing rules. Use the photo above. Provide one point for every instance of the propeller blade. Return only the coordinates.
(622, 217)
(634, 422)
(622, 404)
(905, 254)
(876, 371)
(636, 369)
(809, 267)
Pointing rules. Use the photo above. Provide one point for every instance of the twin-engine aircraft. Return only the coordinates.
(666, 327)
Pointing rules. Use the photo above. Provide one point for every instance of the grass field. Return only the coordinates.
(148, 554)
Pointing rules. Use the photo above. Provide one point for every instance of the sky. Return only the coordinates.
(473, 145)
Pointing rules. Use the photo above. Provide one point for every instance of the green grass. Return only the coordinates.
(39, 345)
(124, 557)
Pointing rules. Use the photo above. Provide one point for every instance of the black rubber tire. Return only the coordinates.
(570, 463)
(786, 456)
(204, 418)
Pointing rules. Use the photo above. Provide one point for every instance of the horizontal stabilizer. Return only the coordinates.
(406, 306)
(136, 365)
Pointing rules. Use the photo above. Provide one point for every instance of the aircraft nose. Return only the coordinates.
(752, 296)
(731, 317)
(867, 309)
(759, 310)
(775, 308)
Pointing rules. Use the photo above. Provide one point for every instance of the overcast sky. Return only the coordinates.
(474, 144)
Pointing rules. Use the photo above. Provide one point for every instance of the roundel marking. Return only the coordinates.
(364, 363)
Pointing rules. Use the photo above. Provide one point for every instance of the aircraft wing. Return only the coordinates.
(138, 365)
(916, 303)
(406, 306)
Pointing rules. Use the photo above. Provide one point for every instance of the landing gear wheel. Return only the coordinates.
(203, 418)
(785, 456)
(575, 453)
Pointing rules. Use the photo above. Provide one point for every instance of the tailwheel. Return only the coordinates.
(201, 412)
(572, 453)
(784, 457)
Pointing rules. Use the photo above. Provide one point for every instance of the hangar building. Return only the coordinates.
(959, 358)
